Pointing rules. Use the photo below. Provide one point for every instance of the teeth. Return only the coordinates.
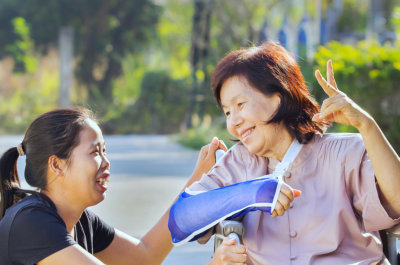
(248, 132)
(103, 181)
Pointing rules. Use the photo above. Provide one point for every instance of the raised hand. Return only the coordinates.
(339, 107)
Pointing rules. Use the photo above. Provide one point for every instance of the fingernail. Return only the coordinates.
(296, 193)
(215, 140)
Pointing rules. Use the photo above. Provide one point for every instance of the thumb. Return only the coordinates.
(213, 146)
(296, 193)
(229, 241)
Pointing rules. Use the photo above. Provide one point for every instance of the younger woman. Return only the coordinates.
(66, 160)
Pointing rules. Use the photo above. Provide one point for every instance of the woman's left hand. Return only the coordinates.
(339, 107)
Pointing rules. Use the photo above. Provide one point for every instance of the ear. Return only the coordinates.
(56, 165)
(277, 98)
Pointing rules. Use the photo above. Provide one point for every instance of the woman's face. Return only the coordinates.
(247, 111)
(89, 170)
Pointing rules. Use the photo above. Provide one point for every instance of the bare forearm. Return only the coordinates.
(386, 164)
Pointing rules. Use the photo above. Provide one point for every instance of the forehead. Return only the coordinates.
(90, 133)
(235, 87)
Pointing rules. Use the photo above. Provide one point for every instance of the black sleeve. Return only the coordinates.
(103, 233)
(35, 234)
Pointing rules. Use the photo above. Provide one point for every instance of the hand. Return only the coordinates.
(285, 197)
(206, 159)
(339, 107)
(229, 253)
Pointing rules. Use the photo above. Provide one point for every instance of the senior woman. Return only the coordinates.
(349, 182)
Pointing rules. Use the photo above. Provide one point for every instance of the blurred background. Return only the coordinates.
(144, 66)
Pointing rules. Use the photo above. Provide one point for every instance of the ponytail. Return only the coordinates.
(9, 180)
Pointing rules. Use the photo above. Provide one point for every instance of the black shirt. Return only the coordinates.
(32, 230)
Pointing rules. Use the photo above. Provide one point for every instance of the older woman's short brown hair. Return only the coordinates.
(271, 69)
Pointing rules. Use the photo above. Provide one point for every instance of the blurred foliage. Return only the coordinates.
(133, 61)
(105, 32)
(203, 131)
(37, 93)
(369, 74)
(22, 49)
(160, 108)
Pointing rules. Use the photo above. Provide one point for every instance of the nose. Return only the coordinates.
(236, 119)
(105, 163)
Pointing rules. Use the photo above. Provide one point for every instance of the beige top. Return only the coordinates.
(334, 221)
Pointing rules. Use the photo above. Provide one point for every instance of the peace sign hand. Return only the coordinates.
(339, 107)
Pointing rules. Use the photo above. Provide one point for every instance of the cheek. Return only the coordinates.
(230, 128)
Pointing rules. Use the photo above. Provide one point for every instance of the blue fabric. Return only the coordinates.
(191, 215)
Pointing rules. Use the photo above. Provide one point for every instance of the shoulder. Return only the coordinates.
(34, 216)
(33, 230)
(29, 209)
(338, 143)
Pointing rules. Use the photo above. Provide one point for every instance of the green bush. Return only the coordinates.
(160, 108)
(203, 132)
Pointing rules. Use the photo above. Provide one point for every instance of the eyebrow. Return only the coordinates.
(232, 99)
(97, 143)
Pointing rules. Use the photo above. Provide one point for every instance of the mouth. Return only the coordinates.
(246, 133)
(103, 180)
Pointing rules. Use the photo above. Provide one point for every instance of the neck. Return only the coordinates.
(282, 143)
(69, 211)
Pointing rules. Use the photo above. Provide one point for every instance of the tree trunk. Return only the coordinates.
(198, 55)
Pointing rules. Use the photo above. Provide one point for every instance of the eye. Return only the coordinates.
(241, 104)
(227, 113)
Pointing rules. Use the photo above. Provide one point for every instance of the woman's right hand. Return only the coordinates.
(229, 253)
(285, 198)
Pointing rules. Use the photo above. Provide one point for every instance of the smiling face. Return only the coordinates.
(247, 112)
(88, 171)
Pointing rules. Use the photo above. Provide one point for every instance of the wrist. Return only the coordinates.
(366, 124)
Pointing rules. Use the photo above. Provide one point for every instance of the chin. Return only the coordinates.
(98, 199)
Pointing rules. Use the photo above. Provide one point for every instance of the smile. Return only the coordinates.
(103, 181)
(247, 132)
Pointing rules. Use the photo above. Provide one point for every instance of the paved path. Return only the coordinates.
(147, 172)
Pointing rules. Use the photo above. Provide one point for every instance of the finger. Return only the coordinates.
(204, 151)
(236, 258)
(273, 214)
(222, 146)
(329, 89)
(330, 75)
(279, 208)
(296, 193)
(228, 241)
(238, 249)
(284, 201)
(287, 191)
(213, 146)
(332, 110)
(327, 102)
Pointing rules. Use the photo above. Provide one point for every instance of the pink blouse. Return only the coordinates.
(337, 216)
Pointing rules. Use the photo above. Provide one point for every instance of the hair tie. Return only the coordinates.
(20, 150)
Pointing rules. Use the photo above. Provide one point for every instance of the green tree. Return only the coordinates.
(105, 31)
(160, 108)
